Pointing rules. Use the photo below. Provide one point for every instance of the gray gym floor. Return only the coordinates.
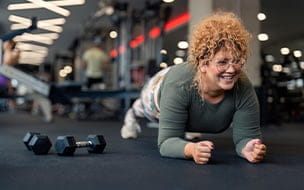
(136, 164)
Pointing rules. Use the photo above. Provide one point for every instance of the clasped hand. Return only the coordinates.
(201, 151)
(254, 151)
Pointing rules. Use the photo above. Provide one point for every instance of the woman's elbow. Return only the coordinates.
(161, 149)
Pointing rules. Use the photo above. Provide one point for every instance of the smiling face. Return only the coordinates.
(221, 72)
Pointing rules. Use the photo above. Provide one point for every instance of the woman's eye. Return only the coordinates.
(222, 63)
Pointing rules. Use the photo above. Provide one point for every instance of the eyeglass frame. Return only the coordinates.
(237, 65)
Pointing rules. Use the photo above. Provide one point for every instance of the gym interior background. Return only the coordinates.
(140, 38)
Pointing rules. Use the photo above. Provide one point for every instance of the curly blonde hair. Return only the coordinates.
(222, 30)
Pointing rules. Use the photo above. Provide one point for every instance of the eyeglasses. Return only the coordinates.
(224, 65)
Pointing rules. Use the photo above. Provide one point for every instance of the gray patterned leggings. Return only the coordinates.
(147, 105)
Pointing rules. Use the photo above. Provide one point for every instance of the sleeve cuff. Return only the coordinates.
(173, 147)
(240, 145)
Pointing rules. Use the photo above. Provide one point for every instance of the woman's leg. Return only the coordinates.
(131, 128)
(45, 106)
(145, 106)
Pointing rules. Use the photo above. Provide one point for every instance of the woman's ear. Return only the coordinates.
(202, 66)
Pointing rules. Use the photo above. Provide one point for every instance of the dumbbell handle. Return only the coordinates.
(81, 144)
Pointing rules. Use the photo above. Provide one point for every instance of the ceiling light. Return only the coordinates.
(302, 65)
(62, 73)
(163, 51)
(180, 53)
(18, 26)
(286, 70)
(263, 37)
(113, 34)
(35, 38)
(55, 21)
(48, 27)
(297, 53)
(284, 51)
(299, 83)
(269, 58)
(68, 69)
(53, 36)
(69, 2)
(50, 6)
(294, 65)
(26, 21)
(178, 60)
(22, 6)
(182, 45)
(163, 65)
(32, 61)
(109, 10)
(269, 99)
(49, 24)
(168, 1)
(261, 16)
(31, 47)
(277, 68)
(19, 19)
(31, 55)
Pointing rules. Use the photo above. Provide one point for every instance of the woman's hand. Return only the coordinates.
(254, 151)
(200, 151)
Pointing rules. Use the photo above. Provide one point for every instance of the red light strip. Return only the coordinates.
(172, 24)
(122, 49)
(137, 41)
(113, 53)
(154, 32)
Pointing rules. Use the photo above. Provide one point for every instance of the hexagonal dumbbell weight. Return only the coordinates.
(39, 144)
(27, 138)
(66, 145)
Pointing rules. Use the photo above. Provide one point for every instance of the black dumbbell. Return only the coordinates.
(27, 138)
(39, 144)
(66, 145)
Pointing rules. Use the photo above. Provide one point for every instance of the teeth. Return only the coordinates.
(227, 77)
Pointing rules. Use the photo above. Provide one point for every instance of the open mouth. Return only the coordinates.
(228, 78)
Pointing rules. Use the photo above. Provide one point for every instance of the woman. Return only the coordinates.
(208, 94)
(10, 57)
(11, 54)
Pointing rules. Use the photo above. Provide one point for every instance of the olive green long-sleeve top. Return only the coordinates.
(182, 109)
